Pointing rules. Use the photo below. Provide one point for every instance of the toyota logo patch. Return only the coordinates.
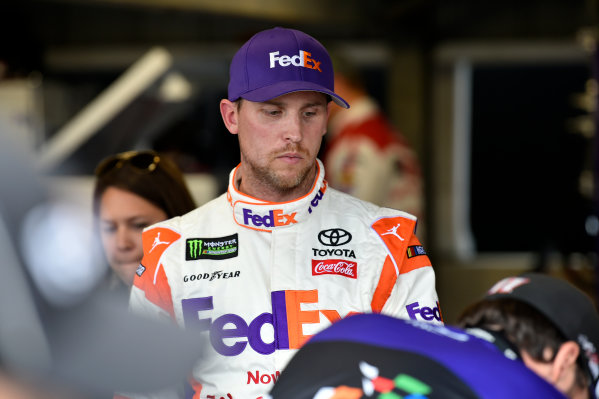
(334, 237)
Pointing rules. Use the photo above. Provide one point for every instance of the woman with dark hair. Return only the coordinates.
(134, 190)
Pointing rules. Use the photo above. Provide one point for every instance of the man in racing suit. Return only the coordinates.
(280, 256)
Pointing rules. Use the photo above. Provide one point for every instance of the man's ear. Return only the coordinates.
(565, 360)
(330, 104)
(228, 111)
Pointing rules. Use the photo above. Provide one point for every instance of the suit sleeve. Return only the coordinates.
(406, 286)
(151, 291)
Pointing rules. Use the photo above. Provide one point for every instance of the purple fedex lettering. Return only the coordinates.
(272, 219)
(287, 319)
(218, 329)
(425, 312)
(257, 220)
(317, 198)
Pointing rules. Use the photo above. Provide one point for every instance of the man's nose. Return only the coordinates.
(293, 129)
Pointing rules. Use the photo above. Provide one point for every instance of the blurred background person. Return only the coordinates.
(59, 337)
(364, 155)
(548, 323)
(133, 190)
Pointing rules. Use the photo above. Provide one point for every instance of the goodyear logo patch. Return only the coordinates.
(212, 248)
(416, 250)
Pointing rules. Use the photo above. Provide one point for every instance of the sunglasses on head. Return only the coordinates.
(143, 161)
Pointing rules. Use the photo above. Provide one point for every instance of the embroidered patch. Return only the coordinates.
(334, 237)
(140, 270)
(416, 250)
(212, 248)
(340, 267)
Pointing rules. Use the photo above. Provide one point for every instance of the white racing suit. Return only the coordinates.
(257, 279)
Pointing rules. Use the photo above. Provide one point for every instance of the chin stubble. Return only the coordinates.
(270, 178)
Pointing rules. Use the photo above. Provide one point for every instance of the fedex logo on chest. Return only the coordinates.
(299, 60)
(231, 333)
(271, 219)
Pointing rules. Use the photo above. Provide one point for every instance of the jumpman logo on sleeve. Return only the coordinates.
(393, 231)
(157, 242)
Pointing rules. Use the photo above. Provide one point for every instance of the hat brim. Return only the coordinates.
(281, 88)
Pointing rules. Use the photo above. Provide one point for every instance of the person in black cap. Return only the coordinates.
(381, 357)
(57, 332)
(548, 323)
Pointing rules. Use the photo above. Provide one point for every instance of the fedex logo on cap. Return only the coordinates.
(300, 60)
(271, 219)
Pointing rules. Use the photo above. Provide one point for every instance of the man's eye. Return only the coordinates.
(273, 112)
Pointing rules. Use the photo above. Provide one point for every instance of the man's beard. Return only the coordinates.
(277, 181)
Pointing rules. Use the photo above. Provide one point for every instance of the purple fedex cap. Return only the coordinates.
(279, 61)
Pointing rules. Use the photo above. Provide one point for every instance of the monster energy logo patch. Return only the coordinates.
(211, 248)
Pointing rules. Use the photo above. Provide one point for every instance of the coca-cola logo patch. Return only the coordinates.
(339, 267)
